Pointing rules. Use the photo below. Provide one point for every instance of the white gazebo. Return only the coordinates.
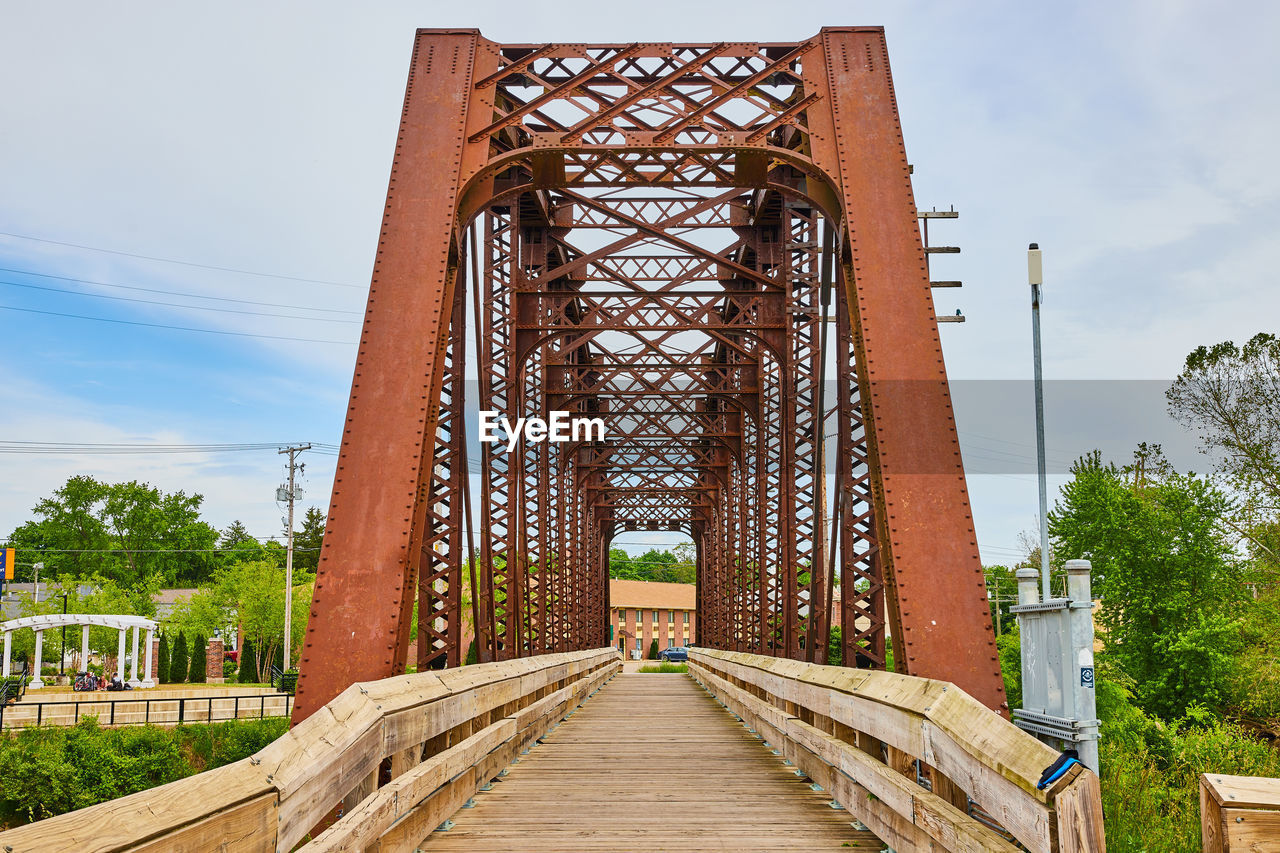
(85, 620)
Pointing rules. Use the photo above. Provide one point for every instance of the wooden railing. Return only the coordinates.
(400, 755)
(1239, 814)
(921, 763)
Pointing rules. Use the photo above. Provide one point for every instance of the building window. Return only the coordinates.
(686, 619)
(655, 618)
(638, 618)
(637, 643)
(671, 617)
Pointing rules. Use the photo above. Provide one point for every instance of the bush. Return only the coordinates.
(198, 673)
(179, 661)
(471, 653)
(653, 649)
(835, 647)
(1009, 647)
(248, 665)
(162, 667)
(228, 670)
(49, 770)
(1150, 769)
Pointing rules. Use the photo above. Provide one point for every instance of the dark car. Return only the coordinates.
(675, 653)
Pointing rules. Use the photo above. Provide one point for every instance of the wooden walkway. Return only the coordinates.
(651, 762)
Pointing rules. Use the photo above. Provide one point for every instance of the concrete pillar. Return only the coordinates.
(37, 682)
(152, 652)
(133, 670)
(1028, 591)
(120, 632)
(8, 647)
(84, 648)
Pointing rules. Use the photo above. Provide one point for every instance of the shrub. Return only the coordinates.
(229, 670)
(653, 649)
(198, 673)
(179, 660)
(248, 664)
(49, 770)
(162, 666)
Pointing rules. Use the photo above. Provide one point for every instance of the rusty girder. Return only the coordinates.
(648, 234)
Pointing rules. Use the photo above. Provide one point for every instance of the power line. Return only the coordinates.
(175, 328)
(13, 446)
(174, 292)
(175, 261)
(176, 304)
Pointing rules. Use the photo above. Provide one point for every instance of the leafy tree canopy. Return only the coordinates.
(1167, 576)
(130, 533)
(1230, 395)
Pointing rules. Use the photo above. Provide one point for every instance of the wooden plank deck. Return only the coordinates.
(651, 762)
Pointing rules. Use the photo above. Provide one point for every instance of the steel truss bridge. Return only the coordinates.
(714, 249)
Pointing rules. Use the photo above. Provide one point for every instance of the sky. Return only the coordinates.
(240, 152)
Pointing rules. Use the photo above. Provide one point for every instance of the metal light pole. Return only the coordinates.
(293, 451)
(1035, 277)
(63, 661)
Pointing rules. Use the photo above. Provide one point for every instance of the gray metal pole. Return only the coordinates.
(1035, 278)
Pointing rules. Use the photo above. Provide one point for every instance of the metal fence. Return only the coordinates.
(124, 712)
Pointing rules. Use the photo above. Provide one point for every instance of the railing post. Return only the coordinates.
(182, 710)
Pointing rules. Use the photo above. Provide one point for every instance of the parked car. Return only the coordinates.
(675, 654)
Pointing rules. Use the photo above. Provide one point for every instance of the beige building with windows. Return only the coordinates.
(640, 612)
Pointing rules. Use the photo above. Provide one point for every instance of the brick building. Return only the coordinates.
(640, 611)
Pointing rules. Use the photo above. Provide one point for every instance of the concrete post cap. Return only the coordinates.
(1026, 574)
(1079, 566)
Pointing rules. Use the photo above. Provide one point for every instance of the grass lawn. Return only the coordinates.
(665, 667)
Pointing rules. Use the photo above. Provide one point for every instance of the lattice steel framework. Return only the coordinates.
(654, 235)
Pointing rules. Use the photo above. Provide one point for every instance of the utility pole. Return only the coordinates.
(1035, 277)
(294, 467)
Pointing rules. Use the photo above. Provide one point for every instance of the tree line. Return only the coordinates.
(110, 547)
(1186, 572)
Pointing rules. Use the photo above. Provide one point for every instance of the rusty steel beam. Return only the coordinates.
(649, 228)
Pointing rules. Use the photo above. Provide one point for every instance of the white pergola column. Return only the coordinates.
(84, 648)
(8, 647)
(133, 677)
(146, 671)
(120, 654)
(36, 682)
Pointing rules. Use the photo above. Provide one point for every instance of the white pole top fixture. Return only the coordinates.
(1035, 273)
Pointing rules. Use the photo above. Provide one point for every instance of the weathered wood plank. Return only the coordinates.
(606, 780)
(1079, 810)
(1213, 838)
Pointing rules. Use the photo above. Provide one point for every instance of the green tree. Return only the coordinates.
(1167, 578)
(653, 649)
(162, 666)
(307, 541)
(835, 646)
(1002, 593)
(179, 660)
(248, 673)
(131, 533)
(198, 672)
(1231, 396)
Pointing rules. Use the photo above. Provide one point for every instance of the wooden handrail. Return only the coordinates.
(438, 735)
(867, 736)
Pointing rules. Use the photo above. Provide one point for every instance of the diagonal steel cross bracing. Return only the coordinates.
(650, 235)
